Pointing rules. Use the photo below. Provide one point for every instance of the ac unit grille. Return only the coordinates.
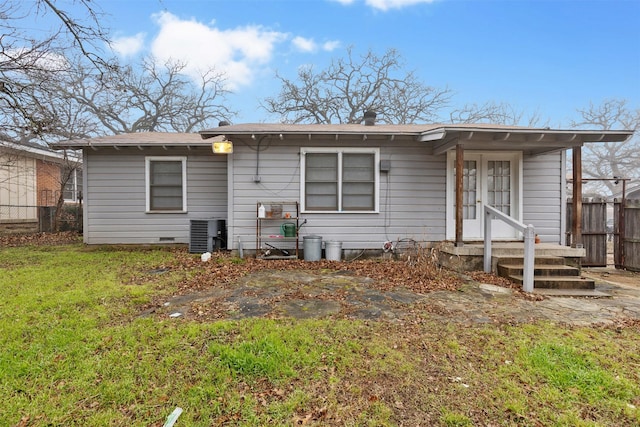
(207, 235)
(199, 236)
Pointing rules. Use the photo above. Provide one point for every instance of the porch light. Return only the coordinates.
(222, 147)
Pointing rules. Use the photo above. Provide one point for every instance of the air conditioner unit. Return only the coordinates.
(207, 235)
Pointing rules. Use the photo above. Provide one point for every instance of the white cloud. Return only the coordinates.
(128, 46)
(29, 58)
(330, 45)
(385, 5)
(237, 52)
(310, 46)
(304, 45)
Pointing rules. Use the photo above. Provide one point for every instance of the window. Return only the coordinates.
(339, 180)
(72, 178)
(166, 184)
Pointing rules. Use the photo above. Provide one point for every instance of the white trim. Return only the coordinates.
(517, 213)
(147, 175)
(339, 150)
(86, 201)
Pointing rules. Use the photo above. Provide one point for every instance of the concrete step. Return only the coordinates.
(558, 282)
(549, 272)
(591, 293)
(539, 260)
(506, 270)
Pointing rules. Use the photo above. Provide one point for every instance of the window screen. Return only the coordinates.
(340, 181)
(166, 185)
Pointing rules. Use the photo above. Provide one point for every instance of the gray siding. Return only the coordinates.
(412, 194)
(542, 192)
(116, 200)
(412, 199)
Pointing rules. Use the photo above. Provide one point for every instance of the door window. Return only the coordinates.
(469, 189)
(499, 185)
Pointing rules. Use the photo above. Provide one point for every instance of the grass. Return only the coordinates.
(74, 351)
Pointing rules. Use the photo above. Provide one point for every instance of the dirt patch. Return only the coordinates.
(226, 287)
(374, 289)
(370, 289)
(384, 275)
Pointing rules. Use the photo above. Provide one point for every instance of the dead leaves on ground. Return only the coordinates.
(224, 270)
(50, 239)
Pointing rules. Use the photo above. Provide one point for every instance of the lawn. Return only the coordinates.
(75, 350)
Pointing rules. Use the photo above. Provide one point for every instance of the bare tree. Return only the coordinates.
(350, 86)
(495, 113)
(60, 86)
(149, 98)
(83, 103)
(22, 55)
(610, 159)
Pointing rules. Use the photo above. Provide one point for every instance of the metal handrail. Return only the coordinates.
(529, 244)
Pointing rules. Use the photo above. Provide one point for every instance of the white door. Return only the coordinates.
(487, 178)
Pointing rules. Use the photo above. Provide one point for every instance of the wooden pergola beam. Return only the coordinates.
(459, 192)
(576, 214)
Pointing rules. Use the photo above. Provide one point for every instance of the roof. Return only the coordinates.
(346, 129)
(29, 149)
(632, 191)
(138, 139)
(439, 137)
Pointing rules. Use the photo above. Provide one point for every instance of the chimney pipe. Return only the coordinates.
(369, 118)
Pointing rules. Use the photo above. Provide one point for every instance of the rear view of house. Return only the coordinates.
(362, 185)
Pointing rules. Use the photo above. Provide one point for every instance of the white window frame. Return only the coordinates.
(148, 161)
(340, 150)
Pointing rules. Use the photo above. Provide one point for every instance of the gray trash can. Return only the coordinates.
(333, 250)
(312, 247)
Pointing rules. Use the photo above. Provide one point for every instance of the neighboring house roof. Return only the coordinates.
(632, 191)
(33, 150)
(441, 137)
(138, 139)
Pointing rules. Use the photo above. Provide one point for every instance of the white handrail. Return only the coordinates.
(529, 244)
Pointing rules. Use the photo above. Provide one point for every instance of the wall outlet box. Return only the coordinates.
(257, 178)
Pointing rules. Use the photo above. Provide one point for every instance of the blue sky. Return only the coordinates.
(549, 57)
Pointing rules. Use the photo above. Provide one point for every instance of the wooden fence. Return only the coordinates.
(594, 231)
(626, 253)
(625, 231)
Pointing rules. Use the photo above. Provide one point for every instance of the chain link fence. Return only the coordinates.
(37, 219)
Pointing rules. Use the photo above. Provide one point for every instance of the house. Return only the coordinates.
(30, 179)
(631, 191)
(362, 185)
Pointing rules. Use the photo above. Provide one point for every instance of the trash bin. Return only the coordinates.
(312, 247)
(333, 250)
